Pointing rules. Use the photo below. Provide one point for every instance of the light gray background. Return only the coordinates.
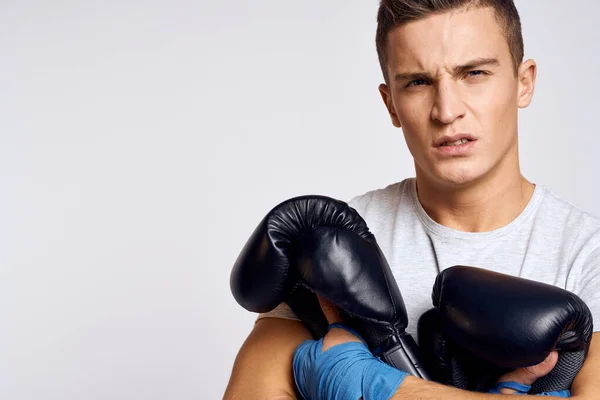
(142, 142)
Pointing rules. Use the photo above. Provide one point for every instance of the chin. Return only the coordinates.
(458, 175)
(453, 173)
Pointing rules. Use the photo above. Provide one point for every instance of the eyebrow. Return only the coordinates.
(476, 63)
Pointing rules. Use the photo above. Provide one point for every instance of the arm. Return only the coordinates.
(263, 366)
(585, 387)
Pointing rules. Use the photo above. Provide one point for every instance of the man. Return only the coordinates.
(454, 81)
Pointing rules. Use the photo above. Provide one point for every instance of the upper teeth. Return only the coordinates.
(458, 142)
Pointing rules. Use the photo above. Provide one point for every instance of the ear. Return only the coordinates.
(527, 74)
(389, 104)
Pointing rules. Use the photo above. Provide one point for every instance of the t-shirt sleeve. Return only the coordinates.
(589, 280)
(281, 311)
(359, 203)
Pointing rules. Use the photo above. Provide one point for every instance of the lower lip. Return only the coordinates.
(460, 150)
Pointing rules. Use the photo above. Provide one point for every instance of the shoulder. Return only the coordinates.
(568, 216)
(574, 229)
(383, 200)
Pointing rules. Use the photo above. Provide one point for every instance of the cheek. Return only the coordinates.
(497, 111)
(414, 119)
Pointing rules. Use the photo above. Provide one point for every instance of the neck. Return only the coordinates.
(488, 204)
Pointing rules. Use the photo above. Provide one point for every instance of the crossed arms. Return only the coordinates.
(263, 369)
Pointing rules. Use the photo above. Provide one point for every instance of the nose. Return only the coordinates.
(448, 104)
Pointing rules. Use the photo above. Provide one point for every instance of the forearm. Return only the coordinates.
(415, 388)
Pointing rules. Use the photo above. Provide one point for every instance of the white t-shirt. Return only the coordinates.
(551, 241)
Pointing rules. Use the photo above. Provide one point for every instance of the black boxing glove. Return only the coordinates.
(485, 324)
(317, 245)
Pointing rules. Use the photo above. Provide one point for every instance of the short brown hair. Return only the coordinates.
(393, 13)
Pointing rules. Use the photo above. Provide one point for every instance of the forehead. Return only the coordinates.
(444, 40)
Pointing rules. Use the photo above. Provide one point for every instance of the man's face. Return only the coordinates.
(453, 90)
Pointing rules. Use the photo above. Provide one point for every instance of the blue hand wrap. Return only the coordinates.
(345, 371)
(518, 387)
(524, 389)
(561, 393)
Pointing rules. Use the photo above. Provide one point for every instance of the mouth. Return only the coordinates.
(455, 140)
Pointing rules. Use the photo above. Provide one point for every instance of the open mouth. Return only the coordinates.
(455, 143)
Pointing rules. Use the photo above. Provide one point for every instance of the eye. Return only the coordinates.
(417, 82)
(477, 73)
